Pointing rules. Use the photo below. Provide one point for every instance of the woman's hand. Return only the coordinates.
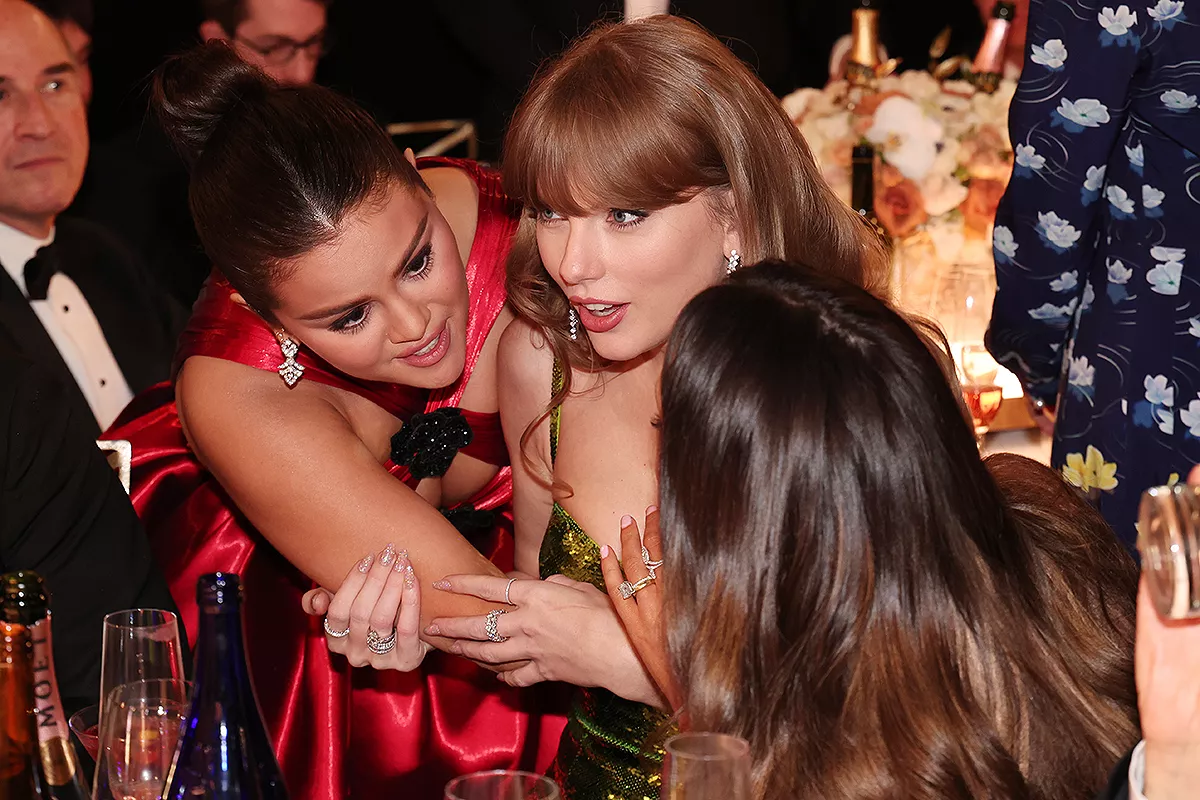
(379, 601)
(641, 612)
(565, 629)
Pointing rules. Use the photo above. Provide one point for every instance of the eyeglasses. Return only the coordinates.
(281, 49)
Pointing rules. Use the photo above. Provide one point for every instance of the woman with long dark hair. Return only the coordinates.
(848, 585)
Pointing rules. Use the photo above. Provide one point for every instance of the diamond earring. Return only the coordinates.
(289, 370)
(573, 320)
(732, 262)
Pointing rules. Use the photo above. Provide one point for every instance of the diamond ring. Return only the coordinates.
(650, 565)
(489, 627)
(335, 634)
(628, 590)
(378, 644)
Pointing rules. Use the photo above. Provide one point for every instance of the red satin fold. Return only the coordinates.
(340, 732)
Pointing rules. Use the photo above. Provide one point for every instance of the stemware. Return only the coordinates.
(139, 644)
(1169, 541)
(706, 766)
(85, 724)
(501, 784)
(983, 396)
(141, 730)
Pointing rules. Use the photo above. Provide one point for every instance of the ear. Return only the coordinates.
(410, 157)
(732, 240)
(211, 29)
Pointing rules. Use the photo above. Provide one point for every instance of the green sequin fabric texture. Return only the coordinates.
(612, 747)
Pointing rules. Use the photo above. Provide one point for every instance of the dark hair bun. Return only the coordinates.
(196, 91)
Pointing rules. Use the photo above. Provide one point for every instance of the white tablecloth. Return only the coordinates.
(1031, 443)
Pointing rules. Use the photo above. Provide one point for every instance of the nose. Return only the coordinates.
(301, 69)
(408, 321)
(580, 259)
(33, 117)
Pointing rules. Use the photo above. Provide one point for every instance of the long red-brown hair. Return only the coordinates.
(650, 113)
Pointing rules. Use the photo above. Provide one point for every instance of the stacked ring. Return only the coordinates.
(628, 590)
(489, 627)
(379, 645)
(333, 633)
(650, 565)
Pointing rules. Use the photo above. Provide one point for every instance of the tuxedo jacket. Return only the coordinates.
(64, 515)
(139, 320)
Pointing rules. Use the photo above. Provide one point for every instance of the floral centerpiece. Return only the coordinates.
(945, 160)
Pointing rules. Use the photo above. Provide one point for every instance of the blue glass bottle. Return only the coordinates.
(224, 752)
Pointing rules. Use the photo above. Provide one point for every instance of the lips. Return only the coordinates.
(430, 352)
(41, 161)
(599, 316)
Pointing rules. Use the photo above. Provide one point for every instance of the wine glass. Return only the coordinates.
(706, 766)
(502, 784)
(1169, 541)
(85, 724)
(980, 391)
(142, 725)
(139, 644)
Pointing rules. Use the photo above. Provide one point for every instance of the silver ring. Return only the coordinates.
(511, 581)
(628, 590)
(650, 565)
(489, 627)
(378, 644)
(335, 634)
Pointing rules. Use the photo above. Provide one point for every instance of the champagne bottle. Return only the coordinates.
(224, 752)
(24, 603)
(863, 63)
(862, 185)
(21, 776)
(989, 61)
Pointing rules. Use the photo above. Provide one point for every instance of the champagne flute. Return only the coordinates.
(706, 766)
(141, 730)
(502, 784)
(139, 644)
(1169, 541)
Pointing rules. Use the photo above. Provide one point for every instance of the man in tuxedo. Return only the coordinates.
(74, 20)
(71, 298)
(64, 515)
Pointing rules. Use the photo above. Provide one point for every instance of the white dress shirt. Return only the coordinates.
(73, 328)
(1137, 773)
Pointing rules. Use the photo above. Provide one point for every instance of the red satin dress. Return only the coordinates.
(341, 732)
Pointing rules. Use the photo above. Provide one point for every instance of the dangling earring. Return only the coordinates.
(573, 320)
(289, 370)
(732, 262)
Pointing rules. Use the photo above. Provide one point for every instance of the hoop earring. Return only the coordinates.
(732, 262)
(289, 370)
(573, 324)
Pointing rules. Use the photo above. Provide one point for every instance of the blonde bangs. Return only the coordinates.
(597, 135)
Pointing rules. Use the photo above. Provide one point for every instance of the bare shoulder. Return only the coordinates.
(457, 197)
(525, 357)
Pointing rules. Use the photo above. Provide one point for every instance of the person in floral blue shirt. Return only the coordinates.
(1097, 309)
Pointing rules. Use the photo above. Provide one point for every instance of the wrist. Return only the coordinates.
(1172, 771)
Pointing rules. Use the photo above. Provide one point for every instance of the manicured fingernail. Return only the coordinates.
(443, 585)
(433, 630)
(401, 560)
(409, 577)
(626, 521)
(403, 554)
(387, 555)
(651, 510)
(365, 564)
(456, 648)
(604, 551)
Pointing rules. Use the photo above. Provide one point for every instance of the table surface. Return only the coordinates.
(1030, 442)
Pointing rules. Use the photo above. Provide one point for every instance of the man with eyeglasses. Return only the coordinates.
(285, 38)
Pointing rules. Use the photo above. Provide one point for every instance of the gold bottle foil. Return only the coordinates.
(54, 742)
(864, 47)
(989, 61)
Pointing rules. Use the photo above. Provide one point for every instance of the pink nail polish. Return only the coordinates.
(604, 551)
(443, 585)
(651, 510)
(433, 630)
(365, 564)
(389, 553)
(626, 521)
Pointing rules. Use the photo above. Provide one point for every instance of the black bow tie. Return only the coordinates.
(38, 272)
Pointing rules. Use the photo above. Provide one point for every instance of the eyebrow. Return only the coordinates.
(65, 68)
(337, 311)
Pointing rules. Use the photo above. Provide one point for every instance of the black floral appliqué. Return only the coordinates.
(428, 443)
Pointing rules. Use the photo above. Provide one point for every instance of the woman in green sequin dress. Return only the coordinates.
(650, 161)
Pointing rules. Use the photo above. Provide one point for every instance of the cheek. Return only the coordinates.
(550, 250)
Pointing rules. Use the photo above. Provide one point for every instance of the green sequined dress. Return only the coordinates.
(612, 747)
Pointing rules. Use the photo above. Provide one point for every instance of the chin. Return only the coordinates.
(622, 348)
(439, 376)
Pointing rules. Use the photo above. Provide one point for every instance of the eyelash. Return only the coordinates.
(639, 217)
(423, 258)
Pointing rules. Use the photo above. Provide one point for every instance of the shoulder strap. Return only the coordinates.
(556, 384)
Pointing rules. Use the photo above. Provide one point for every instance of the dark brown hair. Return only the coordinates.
(650, 113)
(81, 12)
(274, 169)
(877, 610)
(231, 13)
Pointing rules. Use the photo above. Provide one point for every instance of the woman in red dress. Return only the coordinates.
(334, 389)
